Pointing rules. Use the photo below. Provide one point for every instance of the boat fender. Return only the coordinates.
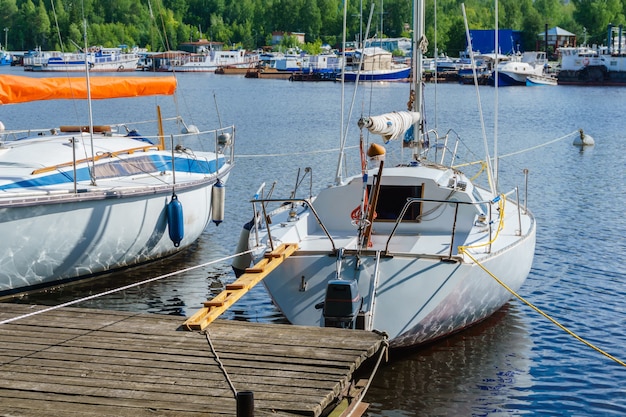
(243, 261)
(217, 202)
(175, 220)
(583, 139)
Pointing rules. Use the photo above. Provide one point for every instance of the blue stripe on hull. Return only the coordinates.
(392, 76)
(117, 168)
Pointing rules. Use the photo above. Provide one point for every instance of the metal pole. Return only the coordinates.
(245, 404)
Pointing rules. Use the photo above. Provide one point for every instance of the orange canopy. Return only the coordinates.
(20, 89)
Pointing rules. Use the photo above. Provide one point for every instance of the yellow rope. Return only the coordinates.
(483, 166)
(500, 227)
(528, 303)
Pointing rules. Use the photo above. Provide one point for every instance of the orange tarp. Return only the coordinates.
(20, 89)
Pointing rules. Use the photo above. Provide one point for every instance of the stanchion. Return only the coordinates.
(245, 404)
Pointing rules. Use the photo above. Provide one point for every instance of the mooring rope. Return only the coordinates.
(91, 297)
(219, 363)
(383, 353)
(528, 303)
(576, 132)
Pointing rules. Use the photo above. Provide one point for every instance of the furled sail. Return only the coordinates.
(20, 89)
(391, 126)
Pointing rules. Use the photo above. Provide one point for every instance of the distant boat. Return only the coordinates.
(76, 201)
(539, 80)
(97, 58)
(375, 64)
(270, 73)
(599, 65)
(5, 58)
(207, 56)
(515, 71)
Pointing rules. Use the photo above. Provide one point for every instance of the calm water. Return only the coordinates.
(515, 363)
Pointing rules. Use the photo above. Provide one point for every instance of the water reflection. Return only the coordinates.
(484, 370)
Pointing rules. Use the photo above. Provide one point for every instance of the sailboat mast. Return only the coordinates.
(338, 177)
(418, 39)
(418, 32)
(495, 122)
(92, 171)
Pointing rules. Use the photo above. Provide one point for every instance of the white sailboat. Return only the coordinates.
(76, 201)
(400, 248)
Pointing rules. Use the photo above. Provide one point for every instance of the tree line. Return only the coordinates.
(163, 24)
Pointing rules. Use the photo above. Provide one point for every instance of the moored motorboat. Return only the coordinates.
(519, 68)
(375, 64)
(538, 80)
(81, 200)
(416, 249)
(597, 65)
(97, 59)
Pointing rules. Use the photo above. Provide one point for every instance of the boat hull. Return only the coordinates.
(418, 299)
(592, 76)
(76, 63)
(43, 245)
(401, 74)
(506, 79)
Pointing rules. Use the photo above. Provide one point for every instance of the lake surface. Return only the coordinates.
(515, 363)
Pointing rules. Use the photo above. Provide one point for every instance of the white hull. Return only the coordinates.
(516, 72)
(416, 286)
(52, 232)
(444, 297)
(112, 61)
(42, 244)
(212, 60)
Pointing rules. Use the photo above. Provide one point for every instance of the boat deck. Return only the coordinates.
(85, 362)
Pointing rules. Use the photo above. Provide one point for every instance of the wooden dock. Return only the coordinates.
(74, 362)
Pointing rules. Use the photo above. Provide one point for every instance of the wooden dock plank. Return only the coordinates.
(90, 362)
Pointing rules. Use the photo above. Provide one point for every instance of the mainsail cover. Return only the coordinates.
(20, 89)
(391, 126)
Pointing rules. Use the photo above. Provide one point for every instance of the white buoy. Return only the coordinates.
(583, 139)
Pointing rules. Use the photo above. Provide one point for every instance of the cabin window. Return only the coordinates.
(391, 200)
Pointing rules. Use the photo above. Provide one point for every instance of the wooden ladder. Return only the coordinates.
(214, 308)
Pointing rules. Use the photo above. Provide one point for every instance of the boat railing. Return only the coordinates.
(488, 221)
(286, 204)
(411, 201)
(441, 146)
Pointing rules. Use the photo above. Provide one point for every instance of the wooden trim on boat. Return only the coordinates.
(96, 158)
(96, 129)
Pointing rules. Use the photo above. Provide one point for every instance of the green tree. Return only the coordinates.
(8, 15)
(595, 16)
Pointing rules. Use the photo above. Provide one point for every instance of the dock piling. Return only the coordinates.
(245, 404)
